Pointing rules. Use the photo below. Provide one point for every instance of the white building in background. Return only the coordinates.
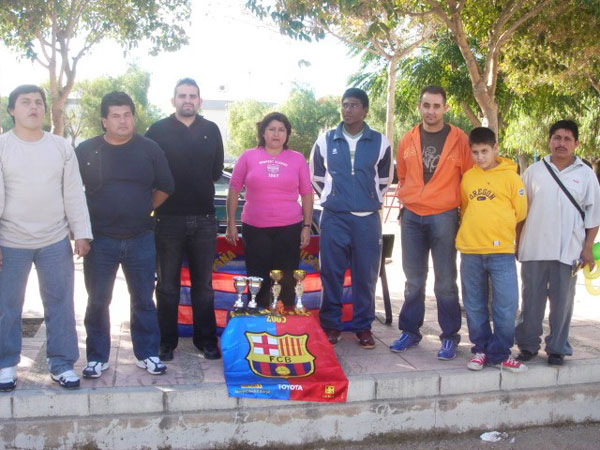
(216, 111)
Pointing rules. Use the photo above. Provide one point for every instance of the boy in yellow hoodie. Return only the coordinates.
(493, 202)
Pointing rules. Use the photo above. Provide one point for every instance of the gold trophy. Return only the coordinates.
(299, 275)
(239, 283)
(276, 276)
(254, 284)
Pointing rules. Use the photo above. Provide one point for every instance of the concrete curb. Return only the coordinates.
(31, 404)
(204, 416)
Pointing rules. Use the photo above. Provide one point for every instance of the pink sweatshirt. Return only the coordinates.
(273, 184)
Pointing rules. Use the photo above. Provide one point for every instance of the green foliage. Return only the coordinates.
(58, 33)
(23, 22)
(309, 117)
(6, 122)
(242, 117)
(84, 115)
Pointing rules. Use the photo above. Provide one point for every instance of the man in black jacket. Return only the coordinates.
(186, 223)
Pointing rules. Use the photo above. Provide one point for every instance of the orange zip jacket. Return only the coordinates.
(442, 193)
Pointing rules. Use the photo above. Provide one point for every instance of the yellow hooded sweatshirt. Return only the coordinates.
(493, 202)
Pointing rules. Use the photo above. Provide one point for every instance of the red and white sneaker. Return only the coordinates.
(512, 365)
(477, 362)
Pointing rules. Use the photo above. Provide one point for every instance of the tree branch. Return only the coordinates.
(470, 114)
(595, 83)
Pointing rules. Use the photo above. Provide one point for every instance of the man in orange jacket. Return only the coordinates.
(432, 158)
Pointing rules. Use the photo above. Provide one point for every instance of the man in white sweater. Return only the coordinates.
(41, 202)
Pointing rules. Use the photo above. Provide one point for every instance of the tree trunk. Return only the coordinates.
(523, 163)
(489, 108)
(390, 101)
(596, 167)
(57, 114)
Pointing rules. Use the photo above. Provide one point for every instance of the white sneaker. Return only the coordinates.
(94, 369)
(153, 365)
(8, 378)
(477, 362)
(67, 379)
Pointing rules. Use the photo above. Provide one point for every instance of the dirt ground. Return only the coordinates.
(563, 437)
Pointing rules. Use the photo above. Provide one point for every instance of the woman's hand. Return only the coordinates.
(304, 237)
(231, 234)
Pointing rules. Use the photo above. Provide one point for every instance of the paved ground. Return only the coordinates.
(188, 368)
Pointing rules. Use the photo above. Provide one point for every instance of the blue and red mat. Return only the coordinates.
(285, 357)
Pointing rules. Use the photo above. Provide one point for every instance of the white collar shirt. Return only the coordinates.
(554, 229)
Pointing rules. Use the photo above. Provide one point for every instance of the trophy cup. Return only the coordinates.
(299, 275)
(239, 283)
(254, 284)
(276, 276)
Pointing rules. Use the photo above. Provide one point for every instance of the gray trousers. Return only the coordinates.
(543, 280)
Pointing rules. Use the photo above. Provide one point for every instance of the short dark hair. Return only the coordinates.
(115, 98)
(24, 89)
(261, 127)
(358, 94)
(433, 89)
(568, 125)
(187, 81)
(482, 135)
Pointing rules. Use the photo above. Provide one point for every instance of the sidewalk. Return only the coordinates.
(193, 384)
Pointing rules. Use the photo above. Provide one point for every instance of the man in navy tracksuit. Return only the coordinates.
(351, 168)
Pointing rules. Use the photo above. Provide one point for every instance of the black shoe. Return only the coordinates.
(525, 355)
(166, 355)
(554, 359)
(210, 352)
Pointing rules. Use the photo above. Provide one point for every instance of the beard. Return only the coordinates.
(186, 112)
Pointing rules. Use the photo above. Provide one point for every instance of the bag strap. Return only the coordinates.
(564, 189)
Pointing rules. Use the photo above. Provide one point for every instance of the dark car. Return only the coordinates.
(221, 190)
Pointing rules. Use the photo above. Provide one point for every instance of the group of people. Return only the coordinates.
(146, 203)
(143, 203)
(458, 194)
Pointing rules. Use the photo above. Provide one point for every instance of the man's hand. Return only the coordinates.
(82, 247)
(588, 257)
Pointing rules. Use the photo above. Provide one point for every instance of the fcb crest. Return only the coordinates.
(284, 356)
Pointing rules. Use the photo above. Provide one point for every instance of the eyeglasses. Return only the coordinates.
(351, 105)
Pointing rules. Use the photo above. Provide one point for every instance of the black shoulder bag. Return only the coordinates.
(565, 190)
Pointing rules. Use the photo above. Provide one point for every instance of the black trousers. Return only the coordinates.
(272, 248)
(195, 237)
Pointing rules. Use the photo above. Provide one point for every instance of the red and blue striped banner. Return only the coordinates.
(229, 262)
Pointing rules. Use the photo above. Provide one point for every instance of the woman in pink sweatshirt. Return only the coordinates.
(275, 225)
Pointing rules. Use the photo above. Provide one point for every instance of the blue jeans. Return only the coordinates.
(349, 241)
(137, 257)
(195, 237)
(54, 265)
(419, 235)
(502, 271)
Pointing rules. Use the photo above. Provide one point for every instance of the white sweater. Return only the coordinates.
(41, 194)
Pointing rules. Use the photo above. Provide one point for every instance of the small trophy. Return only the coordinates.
(276, 276)
(239, 283)
(299, 275)
(254, 284)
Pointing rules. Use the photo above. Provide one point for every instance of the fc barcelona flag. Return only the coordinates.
(284, 357)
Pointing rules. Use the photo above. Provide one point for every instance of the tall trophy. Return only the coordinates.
(254, 284)
(239, 283)
(276, 276)
(299, 275)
